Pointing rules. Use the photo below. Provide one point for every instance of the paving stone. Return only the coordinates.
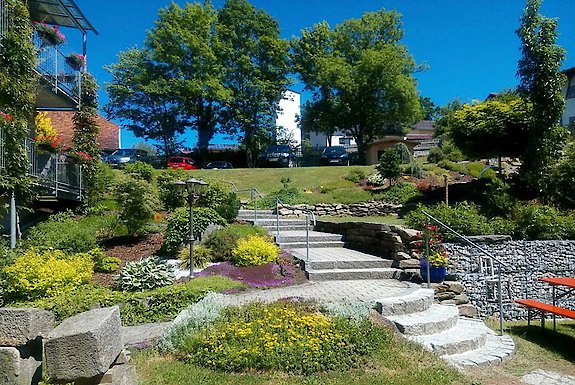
(542, 377)
(18, 326)
(84, 346)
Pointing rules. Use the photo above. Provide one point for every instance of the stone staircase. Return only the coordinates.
(328, 258)
(461, 341)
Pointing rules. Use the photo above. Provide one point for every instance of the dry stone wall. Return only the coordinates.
(362, 209)
(525, 262)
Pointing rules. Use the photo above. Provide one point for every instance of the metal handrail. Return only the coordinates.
(307, 215)
(254, 193)
(487, 253)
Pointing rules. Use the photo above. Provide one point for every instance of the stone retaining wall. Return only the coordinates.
(525, 262)
(363, 209)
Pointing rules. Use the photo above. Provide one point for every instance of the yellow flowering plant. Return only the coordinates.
(45, 134)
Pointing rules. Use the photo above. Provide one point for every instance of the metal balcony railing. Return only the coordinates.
(52, 66)
(5, 18)
(53, 175)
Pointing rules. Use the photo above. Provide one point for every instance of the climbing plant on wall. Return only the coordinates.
(86, 131)
(17, 96)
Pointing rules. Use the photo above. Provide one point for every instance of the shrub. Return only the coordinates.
(46, 273)
(536, 221)
(158, 305)
(202, 256)
(451, 151)
(281, 336)
(414, 169)
(67, 235)
(224, 202)
(376, 179)
(137, 202)
(107, 265)
(253, 251)
(389, 164)
(178, 227)
(475, 168)
(146, 274)
(355, 175)
(102, 182)
(169, 197)
(110, 226)
(435, 155)
(288, 195)
(140, 170)
(224, 240)
(400, 193)
(563, 180)
(463, 217)
(453, 166)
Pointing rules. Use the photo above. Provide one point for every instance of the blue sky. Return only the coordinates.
(470, 46)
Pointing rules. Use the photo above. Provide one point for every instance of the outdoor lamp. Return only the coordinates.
(195, 189)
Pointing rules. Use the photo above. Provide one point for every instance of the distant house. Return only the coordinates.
(419, 140)
(569, 94)
(63, 123)
(288, 114)
(320, 140)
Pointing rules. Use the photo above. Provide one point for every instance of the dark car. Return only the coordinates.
(219, 165)
(106, 153)
(124, 156)
(334, 156)
(277, 156)
(182, 162)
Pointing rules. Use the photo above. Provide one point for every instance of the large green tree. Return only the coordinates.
(364, 71)
(539, 72)
(256, 65)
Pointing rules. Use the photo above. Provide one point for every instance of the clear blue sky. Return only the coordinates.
(470, 46)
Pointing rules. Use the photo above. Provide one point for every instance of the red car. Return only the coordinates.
(182, 162)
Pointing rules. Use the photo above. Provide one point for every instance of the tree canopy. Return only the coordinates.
(202, 69)
(360, 75)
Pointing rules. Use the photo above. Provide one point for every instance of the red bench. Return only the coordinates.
(544, 308)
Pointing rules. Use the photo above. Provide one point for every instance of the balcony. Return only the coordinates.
(59, 85)
(53, 176)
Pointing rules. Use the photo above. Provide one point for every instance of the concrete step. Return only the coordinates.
(416, 301)
(300, 236)
(316, 244)
(433, 320)
(497, 349)
(272, 229)
(248, 215)
(467, 334)
(283, 222)
(352, 274)
(352, 264)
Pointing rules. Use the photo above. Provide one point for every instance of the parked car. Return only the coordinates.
(182, 162)
(277, 156)
(124, 156)
(106, 153)
(218, 165)
(334, 156)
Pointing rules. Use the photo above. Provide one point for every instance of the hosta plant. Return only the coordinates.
(146, 274)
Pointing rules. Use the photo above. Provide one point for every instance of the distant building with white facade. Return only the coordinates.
(287, 121)
(569, 94)
(320, 140)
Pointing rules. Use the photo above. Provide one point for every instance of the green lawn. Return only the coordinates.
(317, 184)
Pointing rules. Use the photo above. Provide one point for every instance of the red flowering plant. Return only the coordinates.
(5, 119)
(437, 253)
(79, 156)
(76, 61)
(49, 35)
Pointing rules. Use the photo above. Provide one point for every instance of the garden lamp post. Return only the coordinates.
(195, 188)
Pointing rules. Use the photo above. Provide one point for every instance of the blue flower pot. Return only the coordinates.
(436, 273)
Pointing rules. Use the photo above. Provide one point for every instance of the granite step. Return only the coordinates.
(273, 229)
(352, 274)
(415, 301)
(316, 244)
(467, 334)
(496, 350)
(301, 236)
(433, 320)
(376, 263)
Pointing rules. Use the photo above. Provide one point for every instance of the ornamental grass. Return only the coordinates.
(281, 336)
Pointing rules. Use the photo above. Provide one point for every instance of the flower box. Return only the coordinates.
(50, 36)
(76, 61)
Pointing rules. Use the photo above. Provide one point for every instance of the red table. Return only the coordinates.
(565, 284)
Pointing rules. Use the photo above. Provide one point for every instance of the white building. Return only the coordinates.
(569, 93)
(287, 121)
(320, 140)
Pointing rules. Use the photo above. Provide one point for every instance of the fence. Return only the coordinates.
(5, 19)
(54, 175)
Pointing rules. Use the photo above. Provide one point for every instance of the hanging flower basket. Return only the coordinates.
(5, 119)
(46, 147)
(50, 36)
(76, 61)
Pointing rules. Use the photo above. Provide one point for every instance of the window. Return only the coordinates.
(345, 141)
(571, 89)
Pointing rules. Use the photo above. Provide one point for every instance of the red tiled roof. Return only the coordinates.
(63, 122)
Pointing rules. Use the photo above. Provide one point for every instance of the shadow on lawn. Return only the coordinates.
(560, 342)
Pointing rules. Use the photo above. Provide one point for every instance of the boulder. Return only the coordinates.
(400, 256)
(9, 366)
(467, 310)
(18, 326)
(84, 346)
(456, 287)
(409, 264)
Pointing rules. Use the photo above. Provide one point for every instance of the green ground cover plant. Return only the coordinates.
(158, 305)
(400, 193)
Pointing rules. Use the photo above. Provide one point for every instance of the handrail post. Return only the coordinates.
(427, 254)
(277, 216)
(255, 199)
(307, 236)
(499, 290)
